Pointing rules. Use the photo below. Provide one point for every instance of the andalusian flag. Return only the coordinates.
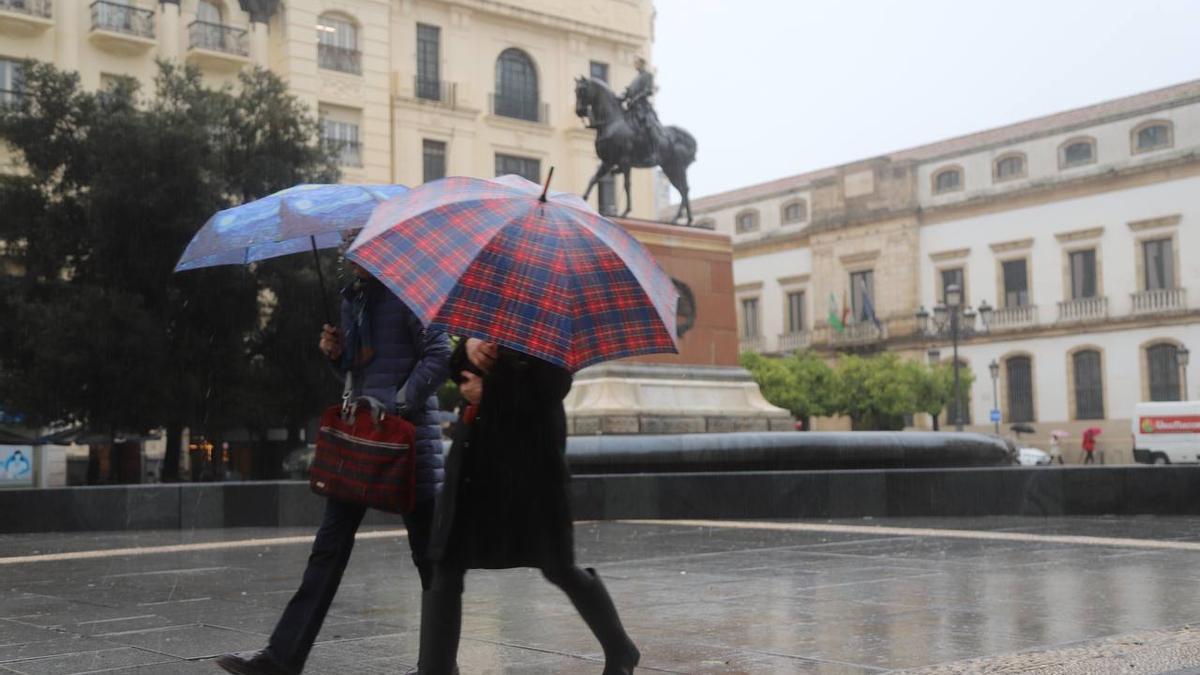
(834, 319)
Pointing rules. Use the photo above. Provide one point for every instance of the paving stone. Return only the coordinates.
(87, 662)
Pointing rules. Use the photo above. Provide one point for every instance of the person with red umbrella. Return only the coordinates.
(1089, 444)
(539, 287)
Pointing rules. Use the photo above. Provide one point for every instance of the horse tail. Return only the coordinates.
(683, 144)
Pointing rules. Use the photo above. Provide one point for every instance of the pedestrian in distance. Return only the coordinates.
(392, 358)
(506, 501)
(1055, 450)
(1089, 449)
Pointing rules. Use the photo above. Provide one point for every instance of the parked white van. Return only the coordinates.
(1166, 432)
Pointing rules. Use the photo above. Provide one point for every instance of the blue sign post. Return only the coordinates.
(995, 415)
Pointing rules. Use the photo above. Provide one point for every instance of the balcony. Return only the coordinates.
(341, 59)
(1083, 309)
(857, 334)
(519, 108)
(792, 342)
(348, 153)
(121, 28)
(25, 17)
(1161, 301)
(217, 45)
(436, 91)
(1012, 318)
(751, 343)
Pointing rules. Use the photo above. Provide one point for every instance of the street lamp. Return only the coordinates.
(994, 369)
(951, 319)
(1181, 356)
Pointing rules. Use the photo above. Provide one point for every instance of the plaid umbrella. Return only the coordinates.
(545, 275)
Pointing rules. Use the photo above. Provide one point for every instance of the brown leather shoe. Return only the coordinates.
(258, 663)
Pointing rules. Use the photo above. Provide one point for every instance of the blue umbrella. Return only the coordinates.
(300, 218)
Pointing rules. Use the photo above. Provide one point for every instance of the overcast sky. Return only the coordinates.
(772, 88)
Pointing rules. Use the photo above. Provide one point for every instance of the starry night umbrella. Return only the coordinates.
(536, 271)
(300, 218)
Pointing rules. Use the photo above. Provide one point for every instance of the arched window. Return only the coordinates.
(1077, 152)
(1019, 382)
(1089, 385)
(516, 86)
(1162, 367)
(337, 44)
(747, 221)
(795, 212)
(947, 180)
(1150, 136)
(1009, 167)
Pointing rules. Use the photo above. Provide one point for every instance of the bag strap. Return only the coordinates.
(347, 391)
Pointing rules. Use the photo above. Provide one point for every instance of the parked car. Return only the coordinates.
(1166, 432)
(1032, 457)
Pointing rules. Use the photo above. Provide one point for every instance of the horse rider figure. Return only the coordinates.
(641, 114)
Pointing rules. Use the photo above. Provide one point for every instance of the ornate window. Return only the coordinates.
(1019, 378)
(10, 81)
(1162, 367)
(429, 76)
(1150, 136)
(1089, 385)
(750, 318)
(747, 221)
(1158, 263)
(525, 167)
(1009, 167)
(1077, 152)
(795, 312)
(1083, 274)
(516, 86)
(341, 138)
(795, 212)
(1016, 282)
(337, 45)
(947, 180)
(433, 159)
(862, 296)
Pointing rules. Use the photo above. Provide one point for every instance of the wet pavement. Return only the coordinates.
(1060, 595)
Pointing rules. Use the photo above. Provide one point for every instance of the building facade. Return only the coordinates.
(1076, 234)
(406, 90)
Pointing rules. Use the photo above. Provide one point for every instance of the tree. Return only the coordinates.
(802, 383)
(875, 392)
(99, 329)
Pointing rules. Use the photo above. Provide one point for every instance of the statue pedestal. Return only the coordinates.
(700, 389)
(633, 398)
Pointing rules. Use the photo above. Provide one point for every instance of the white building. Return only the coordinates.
(1081, 229)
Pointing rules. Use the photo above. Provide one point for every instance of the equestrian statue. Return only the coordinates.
(629, 135)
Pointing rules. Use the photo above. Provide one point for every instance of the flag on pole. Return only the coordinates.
(834, 320)
(869, 309)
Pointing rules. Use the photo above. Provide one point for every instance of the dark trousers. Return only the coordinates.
(297, 629)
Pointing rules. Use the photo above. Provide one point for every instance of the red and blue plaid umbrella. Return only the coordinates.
(502, 261)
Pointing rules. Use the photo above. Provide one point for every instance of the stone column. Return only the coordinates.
(260, 12)
(168, 29)
(68, 34)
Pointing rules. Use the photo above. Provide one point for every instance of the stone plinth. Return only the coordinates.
(700, 389)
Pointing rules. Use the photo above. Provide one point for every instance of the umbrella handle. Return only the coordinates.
(321, 280)
(546, 189)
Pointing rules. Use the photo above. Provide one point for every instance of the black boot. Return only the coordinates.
(258, 663)
(596, 607)
(441, 623)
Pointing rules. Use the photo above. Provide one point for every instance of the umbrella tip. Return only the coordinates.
(546, 189)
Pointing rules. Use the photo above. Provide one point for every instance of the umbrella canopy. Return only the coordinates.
(1092, 431)
(1021, 428)
(506, 261)
(294, 220)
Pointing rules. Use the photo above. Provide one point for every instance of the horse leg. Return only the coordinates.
(628, 195)
(678, 178)
(600, 173)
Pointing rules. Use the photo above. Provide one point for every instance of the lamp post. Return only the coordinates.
(1181, 356)
(948, 320)
(994, 369)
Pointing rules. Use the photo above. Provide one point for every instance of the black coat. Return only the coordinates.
(505, 502)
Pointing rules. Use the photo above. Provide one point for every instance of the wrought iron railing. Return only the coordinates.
(859, 333)
(790, 342)
(439, 91)
(218, 38)
(122, 18)
(343, 59)
(349, 153)
(1161, 300)
(1004, 318)
(40, 8)
(1083, 309)
(518, 107)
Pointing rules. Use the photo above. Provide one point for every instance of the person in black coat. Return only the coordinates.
(505, 502)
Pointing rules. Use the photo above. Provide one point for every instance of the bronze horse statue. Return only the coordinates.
(620, 150)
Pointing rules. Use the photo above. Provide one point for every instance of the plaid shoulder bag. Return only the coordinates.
(365, 455)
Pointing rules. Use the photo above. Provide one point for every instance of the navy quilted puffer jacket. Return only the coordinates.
(403, 354)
